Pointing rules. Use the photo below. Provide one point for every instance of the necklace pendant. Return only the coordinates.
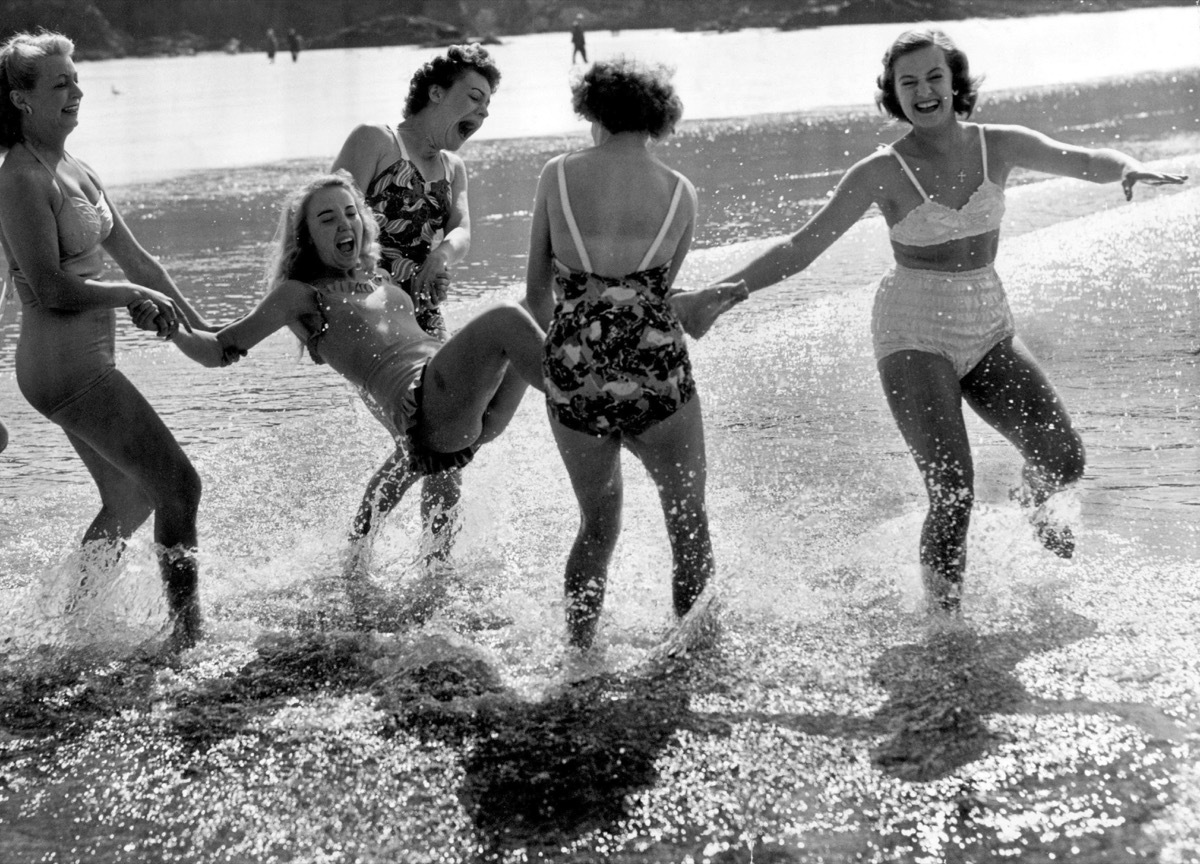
(962, 176)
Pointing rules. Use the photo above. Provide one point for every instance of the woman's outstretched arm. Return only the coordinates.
(1027, 148)
(282, 307)
(857, 190)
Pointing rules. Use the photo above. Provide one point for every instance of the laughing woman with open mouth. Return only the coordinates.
(416, 185)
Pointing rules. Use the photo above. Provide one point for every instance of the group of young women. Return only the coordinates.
(361, 267)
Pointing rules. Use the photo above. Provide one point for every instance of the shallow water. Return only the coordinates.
(829, 723)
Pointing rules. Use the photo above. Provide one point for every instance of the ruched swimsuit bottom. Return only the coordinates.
(960, 316)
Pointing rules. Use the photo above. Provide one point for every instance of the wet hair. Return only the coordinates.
(624, 95)
(295, 255)
(964, 87)
(19, 58)
(445, 70)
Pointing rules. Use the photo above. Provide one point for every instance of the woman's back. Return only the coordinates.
(620, 198)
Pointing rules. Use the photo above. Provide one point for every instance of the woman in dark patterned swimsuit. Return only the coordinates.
(611, 226)
(417, 187)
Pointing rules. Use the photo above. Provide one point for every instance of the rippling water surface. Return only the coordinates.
(433, 719)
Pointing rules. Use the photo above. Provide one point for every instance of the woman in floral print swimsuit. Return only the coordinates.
(416, 185)
(602, 258)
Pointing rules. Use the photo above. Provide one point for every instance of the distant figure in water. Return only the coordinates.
(942, 330)
(272, 44)
(293, 40)
(3, 437)
(611, 227)
(416, 186)
(57, 223)
(578, 42)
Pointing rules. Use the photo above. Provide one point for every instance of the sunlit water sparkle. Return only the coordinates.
(829, 723)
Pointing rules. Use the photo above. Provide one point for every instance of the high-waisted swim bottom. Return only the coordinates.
(960, 316)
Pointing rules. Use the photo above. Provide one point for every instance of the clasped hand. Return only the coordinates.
(430, 285)
(698, 310)
(157, 312)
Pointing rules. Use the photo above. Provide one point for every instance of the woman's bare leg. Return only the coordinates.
(924, 395)
(594, 466)
(1012, 394)
(674, 455)
(476, 380)
(128, 446)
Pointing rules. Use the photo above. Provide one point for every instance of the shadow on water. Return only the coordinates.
(539, 776)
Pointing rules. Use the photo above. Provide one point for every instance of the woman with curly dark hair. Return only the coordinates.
(416, 184)
(942, 330)
(611, 227)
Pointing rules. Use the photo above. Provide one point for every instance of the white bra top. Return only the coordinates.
(931, 223)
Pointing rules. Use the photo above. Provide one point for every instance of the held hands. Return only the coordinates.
(157, 312)
(698, 310)
(1150, 178)
(431, 282)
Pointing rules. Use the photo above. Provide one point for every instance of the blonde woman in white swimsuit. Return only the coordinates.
(941, 326)
(57, 223)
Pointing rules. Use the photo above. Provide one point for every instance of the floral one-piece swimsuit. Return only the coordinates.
(615, 360)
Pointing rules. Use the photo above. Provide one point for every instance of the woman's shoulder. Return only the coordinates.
(369, 139)
(876, 165)
(22, 176)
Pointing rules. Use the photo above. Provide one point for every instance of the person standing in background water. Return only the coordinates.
(578, 42)
(57, 222)
(293, 40)
(941, 326)
(272, 44)
(416, 185)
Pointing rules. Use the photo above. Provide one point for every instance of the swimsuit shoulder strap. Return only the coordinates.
(447, 170)
(61, 185)
(399, 143)
(983, 152)
(670, 218)
(572, 225)
(909, 172)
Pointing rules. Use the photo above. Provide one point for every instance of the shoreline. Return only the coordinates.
(1002, 102)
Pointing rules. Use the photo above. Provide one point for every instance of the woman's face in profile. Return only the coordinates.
(55, 98)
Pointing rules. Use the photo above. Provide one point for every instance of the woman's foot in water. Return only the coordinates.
(181, 579)
(943, 596)
(697, 631)
(1047, 510)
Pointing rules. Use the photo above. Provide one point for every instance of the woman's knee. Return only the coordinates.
(600, 516)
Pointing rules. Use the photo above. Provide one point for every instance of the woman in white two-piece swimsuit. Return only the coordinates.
(941, 326)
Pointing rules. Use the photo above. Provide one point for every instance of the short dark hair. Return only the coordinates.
(966, 88)
(445, 70)
(624, 95)
(19, 56)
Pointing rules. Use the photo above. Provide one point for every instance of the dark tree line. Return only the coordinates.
(105, 28)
